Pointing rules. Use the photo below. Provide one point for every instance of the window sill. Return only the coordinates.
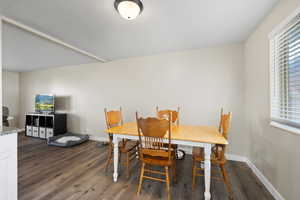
(285, 127)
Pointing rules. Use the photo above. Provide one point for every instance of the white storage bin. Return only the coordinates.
(49, 132)
(42, 133)
(35, 131)
(29, 130)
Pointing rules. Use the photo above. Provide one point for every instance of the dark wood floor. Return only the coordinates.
(52, 173)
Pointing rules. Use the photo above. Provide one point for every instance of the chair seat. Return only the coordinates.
(129, 145)
(160, 161)
(198, 155)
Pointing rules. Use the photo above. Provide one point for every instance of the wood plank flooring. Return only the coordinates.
(53, 173)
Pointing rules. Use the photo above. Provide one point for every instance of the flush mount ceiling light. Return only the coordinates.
(129, 9)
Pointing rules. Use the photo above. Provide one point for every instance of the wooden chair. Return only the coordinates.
(152, 150)
(164, 114)
(127, 147)
(220, 123)
(217, 156)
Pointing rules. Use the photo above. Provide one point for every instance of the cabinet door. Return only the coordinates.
(8, 167)
(4, 175)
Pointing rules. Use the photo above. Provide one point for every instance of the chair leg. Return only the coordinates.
(174, 172)
(127, 165)
(194, 171)
(141, 179)
(168, 182)
(109, 159)
(138, 152)
(226, 180)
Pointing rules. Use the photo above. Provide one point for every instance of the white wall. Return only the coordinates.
(11, 94)
(199, 81)
(273, 151)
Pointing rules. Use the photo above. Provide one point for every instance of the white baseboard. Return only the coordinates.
(98, 138)
(21, 130)
(258, 173)
(188, 150)
(233, 157)
(255, 170)
(265, 181)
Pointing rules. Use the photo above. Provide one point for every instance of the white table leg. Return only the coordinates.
(207, 172)
(116, 157)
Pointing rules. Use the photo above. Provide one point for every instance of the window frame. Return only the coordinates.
(281, 124)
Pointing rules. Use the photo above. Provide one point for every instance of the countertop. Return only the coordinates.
(8, 130)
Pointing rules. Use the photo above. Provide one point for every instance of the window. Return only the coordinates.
(285, 73)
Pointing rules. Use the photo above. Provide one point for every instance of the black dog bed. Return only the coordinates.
(67, 140)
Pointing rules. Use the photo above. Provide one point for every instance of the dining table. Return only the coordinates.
(186, 135)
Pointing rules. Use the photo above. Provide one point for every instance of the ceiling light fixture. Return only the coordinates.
(129, 9)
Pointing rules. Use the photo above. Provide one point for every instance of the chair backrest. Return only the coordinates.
(220, 124)
(113, 118)
(164, 114)
(5, 114)
(225, 124)
(5, 111)
(151, 132)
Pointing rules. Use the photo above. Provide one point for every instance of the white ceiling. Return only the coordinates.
(24, 51)
(94, 25)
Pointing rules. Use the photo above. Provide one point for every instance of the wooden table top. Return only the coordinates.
(204, 134)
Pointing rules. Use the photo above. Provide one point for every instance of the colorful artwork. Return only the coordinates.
(44, 103)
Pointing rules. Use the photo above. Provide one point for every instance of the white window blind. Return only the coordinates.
(285, 74)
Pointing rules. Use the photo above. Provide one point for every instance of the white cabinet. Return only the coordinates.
(3, 176)
(8, 167)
